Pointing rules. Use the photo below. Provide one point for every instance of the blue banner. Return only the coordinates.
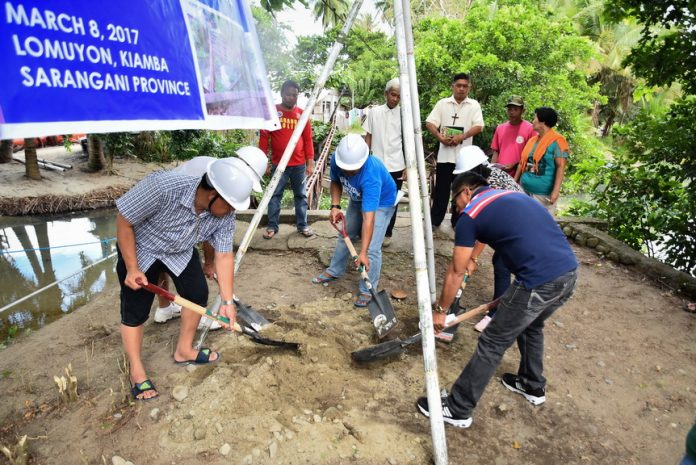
(86, 66)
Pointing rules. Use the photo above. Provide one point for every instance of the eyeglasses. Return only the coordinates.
(457, 194)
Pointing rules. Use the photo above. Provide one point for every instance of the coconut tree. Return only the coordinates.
(31, 164)
(5, 151)
(330, 12)
(95, 150)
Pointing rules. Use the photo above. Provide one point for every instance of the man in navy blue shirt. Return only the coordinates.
(534, 249)
(372, 193)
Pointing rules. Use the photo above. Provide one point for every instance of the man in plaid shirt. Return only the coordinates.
(158, 225)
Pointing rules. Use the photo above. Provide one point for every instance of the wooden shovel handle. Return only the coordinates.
(186, 303)
(344, 234)
(473, 312)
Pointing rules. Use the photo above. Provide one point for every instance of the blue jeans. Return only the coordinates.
(341, 255)
(521, 315)
(296, 176)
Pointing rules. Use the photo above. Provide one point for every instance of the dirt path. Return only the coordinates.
(620, 360)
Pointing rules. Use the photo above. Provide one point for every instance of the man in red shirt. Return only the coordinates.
(301, 163)
(510, 137)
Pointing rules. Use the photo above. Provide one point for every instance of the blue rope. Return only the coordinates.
(105, 241)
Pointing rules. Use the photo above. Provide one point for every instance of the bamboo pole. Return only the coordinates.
(420, 154)
(302, 122)
(437, 427)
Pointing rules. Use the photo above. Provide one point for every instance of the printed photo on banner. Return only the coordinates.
(227, 63)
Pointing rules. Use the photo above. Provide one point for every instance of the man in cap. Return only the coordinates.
(159, 222)
(384, 139)
(510, 137)
(372, 193)
(536, 251)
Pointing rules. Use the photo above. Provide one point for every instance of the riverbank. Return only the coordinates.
(72, 190)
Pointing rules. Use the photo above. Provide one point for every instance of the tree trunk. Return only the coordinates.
(596, 108)
(607, 126)
(95, 150)
(5, 151)
(31, 161)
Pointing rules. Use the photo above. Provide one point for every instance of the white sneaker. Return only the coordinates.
(481, 325)
(164, 314)
(214, 325)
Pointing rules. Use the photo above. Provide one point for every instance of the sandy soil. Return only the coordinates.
(619, 359)
(620, 363)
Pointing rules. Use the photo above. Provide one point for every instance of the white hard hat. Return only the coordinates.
(231, 179)
(257, 161)
(469, 157)
(352, 152)
(197, 166)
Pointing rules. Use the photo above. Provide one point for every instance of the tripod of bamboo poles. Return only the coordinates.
(418, 201)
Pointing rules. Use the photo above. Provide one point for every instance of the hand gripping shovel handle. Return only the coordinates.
(473, 312)
(342, 231)
(186, 303)
(397, 346)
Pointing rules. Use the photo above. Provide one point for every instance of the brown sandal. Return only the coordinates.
(269, 234)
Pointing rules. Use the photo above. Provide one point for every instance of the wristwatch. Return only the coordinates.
(437, 308)
(335, 206)
(228, 302)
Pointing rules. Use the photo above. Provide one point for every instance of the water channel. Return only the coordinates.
(36, 252)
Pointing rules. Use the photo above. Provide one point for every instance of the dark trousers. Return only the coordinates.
(135, 305)
(501, 279)
(521, 316)
(396, 176)
(443, 184)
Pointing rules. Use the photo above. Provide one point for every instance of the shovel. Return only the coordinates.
(380, 307)
(256, 337)
(397, 346)
(247, 315)
(447, 334)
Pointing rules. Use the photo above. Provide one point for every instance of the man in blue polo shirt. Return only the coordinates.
(535, 250)
(372, 193)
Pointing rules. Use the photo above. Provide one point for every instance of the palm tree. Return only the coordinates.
(331, 12)
(366, 22)
(5, 151)
(95, 150)
(31, 161)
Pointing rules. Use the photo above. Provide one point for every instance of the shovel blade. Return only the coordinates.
(382, 313)
(250, 317)
(384, 350)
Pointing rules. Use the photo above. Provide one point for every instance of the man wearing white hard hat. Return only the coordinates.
(256, 161)
(372, 193)
(472, 159)
(159, 222)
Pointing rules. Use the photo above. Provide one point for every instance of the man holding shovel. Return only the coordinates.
(535, 250)
(159, 223)
(372, 193)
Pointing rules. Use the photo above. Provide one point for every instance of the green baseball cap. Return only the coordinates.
(515, 100)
